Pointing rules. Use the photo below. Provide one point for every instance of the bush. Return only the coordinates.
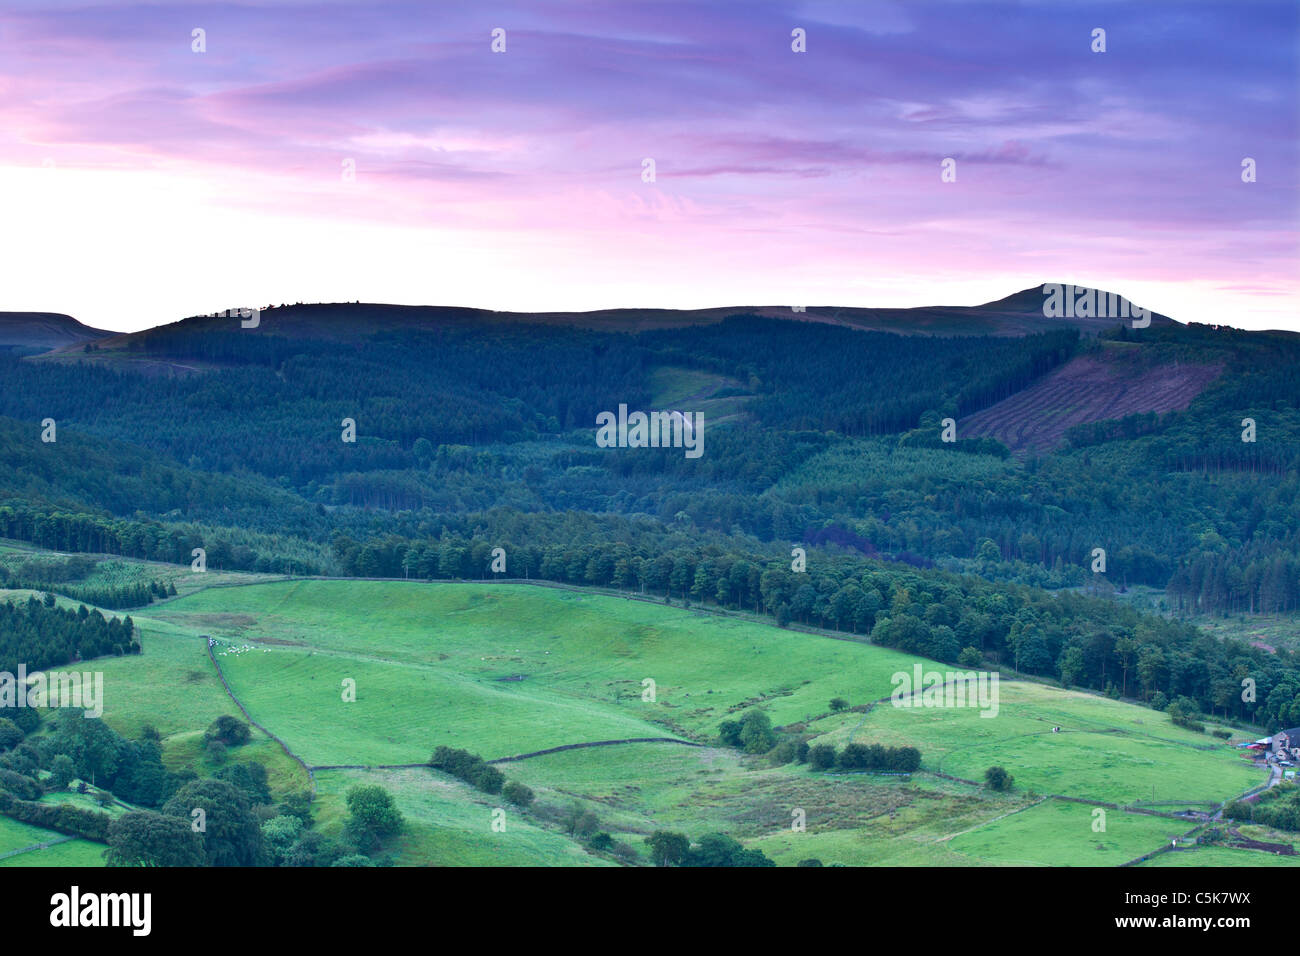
(53, 816)
(25, 788)
(488, 778)
(879, 759)
(821, 757)
(373, 810)
(856, 757)
(756, 734)
(996, 778)
(229, 730)
(517, 794)
(753, 733)
(469, 767)
(783, 753)
(280, 834)
(718, 849)
(838, 704)
(297, 805)
(10, 734)
(580, 822)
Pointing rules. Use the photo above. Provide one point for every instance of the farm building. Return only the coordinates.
(1286, 743)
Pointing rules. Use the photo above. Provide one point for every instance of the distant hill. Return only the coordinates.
(1019, 314)
(30, 333)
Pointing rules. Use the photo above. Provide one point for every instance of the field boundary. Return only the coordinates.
(37, 846)
(598, 743)
(311, 777)
(511, 759)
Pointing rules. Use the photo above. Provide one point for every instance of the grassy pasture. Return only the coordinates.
(1060, 833)
(14, 834)
(1220, 856)
(578, 646)
(73, 853)
(502, 669)
(635, 789)
(402, 711)
(449, 823)
(83, 801)
(1107, 750)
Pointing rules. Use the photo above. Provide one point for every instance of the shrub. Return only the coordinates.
(756, 734)
(996, 778)
(229, 730)
(517, 793)
(821, 757)
(372, 809)
(783, 753)
(10, 734)
(25, 788)
(469, 767)
(297, 805)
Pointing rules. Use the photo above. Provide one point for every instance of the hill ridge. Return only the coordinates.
(1018, 314)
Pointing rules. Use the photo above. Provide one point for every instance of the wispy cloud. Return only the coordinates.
(1123, 164)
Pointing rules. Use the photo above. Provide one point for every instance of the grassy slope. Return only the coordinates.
(16, 835)
(1107, 750)
(449, 823)
(573, 649)
(428, 661)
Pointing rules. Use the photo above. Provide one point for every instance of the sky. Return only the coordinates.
(385, 152)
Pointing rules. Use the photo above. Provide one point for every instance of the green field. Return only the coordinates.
(1106, 750)
(504, 669)
(71, 853)
(432, 650)
(449, 823)
(16, 835)
(1056, 831)
(1221, 856)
